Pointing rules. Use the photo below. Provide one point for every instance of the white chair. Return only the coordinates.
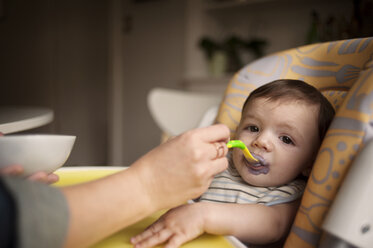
(176, 111)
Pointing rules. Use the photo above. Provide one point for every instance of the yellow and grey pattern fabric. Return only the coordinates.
(343, 72)
(229, 187)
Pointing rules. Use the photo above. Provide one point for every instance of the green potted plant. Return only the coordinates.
(227, 56)
(216, 56)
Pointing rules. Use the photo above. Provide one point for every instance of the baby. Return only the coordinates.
(282, 124)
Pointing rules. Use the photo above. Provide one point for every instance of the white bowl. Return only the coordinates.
(35, 152)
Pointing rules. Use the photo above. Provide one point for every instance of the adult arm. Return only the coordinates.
(172, 173)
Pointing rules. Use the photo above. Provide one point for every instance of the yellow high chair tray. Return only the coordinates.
(121, 239)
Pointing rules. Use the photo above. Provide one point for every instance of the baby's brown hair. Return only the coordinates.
(290, 89)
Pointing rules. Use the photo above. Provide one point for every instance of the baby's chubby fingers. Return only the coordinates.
(151, 237)
(148, 232)
(176, 241)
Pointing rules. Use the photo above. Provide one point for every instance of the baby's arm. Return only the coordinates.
(252, 223)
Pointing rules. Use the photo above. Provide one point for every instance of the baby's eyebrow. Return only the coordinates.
(249, 116)
(291, 128)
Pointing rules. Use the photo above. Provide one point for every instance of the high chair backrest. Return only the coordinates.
(343, 72)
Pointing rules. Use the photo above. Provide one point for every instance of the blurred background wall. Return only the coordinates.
(93, 62)
(54, 54)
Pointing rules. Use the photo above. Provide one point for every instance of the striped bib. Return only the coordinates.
(229, 187)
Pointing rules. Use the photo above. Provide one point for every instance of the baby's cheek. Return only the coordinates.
(240, 134)
(294, 167)
(236, 157)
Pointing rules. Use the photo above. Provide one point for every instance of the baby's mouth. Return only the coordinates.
(256, 168)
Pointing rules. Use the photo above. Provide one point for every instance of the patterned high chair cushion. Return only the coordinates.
(343, 72)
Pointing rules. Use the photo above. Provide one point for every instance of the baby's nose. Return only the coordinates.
(263, 142)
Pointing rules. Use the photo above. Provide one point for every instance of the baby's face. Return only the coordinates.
(283, 135)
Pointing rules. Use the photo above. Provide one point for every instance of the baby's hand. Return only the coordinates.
(175, 227)
(40, 176)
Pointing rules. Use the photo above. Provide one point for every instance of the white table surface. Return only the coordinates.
(15, 118)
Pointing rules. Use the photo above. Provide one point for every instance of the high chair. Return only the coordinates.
(343, 72)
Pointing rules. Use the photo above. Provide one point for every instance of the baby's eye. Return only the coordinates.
(287, 140)
(253, 128)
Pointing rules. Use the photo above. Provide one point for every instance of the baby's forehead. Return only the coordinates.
(283, 101)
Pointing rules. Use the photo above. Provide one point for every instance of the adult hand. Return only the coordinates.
(183, 167)
(40, 176)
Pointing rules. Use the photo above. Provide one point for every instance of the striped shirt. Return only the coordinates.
(229, 187)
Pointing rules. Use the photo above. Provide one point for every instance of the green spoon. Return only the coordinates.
(242, 146)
